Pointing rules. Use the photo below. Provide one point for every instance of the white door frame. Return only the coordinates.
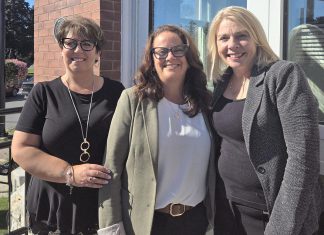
(271, 15)
(134, 32)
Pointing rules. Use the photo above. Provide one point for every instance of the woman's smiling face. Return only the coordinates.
(235, 46)
(77, 60)
(171, 69)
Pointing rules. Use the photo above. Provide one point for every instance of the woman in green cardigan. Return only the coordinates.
(159, 147)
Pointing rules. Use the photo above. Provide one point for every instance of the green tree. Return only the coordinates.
(19, 17)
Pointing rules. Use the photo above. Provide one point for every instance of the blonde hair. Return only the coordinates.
(264, 54)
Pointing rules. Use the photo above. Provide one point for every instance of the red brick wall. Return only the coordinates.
(110, 15)
(48, 61)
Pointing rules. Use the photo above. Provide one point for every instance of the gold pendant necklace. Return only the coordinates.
(85, 145)
(175, 111)
(177, 114)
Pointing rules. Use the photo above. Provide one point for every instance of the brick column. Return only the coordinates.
(48, 62)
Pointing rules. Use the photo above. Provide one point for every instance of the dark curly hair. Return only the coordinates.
(149, 85)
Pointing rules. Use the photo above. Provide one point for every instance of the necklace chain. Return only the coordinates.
(85, 145)
(176, 112)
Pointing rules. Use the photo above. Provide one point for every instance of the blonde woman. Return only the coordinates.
(266, 117)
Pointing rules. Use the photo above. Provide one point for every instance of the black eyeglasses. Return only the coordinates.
(177, 51)
(71, 44)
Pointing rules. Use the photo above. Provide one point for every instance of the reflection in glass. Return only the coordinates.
(192, 15)
(306, 43)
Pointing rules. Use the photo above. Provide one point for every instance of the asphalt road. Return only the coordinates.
(11, 102)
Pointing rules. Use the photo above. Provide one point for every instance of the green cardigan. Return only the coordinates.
(132, 151)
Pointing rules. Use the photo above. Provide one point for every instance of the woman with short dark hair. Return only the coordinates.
(61, 134)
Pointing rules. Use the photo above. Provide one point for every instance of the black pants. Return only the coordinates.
(192, 222)
(321, 225)
(234, 219)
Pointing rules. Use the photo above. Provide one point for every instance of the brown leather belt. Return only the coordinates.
(174, 209)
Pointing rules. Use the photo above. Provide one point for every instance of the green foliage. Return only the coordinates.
(4, 203)
(21, 66)
(31, 70)
(11, 72)
(19, 18)
(15, 72)
(4, 206)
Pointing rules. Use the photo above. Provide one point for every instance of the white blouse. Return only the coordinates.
(183, 156)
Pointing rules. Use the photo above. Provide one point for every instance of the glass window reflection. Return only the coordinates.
(306, 43)
(192, 15)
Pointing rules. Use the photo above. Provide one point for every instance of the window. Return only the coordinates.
(192, 15)
(305, 40)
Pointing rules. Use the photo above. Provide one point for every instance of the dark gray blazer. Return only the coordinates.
(280, 127)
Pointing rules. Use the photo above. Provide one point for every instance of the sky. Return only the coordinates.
(31, 2)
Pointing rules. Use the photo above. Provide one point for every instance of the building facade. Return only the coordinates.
(48, 62)
(295, 31)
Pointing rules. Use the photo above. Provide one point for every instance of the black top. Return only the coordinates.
(49, 112)
(241, 182)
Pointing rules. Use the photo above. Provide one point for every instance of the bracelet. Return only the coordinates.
(69, 173)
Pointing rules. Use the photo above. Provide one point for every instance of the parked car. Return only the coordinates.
(26, 86)
(12, 90)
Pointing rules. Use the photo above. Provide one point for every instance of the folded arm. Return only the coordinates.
(27, 153)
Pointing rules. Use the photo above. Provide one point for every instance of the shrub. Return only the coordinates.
(21, 68)
(11, 72)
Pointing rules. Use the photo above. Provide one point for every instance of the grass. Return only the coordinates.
(31, 70)
(3, 215)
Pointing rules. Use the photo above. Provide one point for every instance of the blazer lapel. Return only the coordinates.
(252, 102)
(150, 119)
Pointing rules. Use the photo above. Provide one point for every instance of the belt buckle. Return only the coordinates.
(177, 214)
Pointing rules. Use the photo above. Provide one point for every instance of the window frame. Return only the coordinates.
(134, 31)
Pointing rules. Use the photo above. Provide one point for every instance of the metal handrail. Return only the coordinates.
(5, 144)
(13, 110)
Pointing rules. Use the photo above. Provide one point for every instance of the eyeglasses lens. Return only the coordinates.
(71, 44)
(177, 51)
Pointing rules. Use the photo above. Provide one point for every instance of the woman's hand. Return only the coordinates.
(90, 175)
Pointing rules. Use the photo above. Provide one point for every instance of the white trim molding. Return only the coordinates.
(270, 14)
(134, 33)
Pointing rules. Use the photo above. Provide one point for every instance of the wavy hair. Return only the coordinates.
(264, 53)
(149, 85)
